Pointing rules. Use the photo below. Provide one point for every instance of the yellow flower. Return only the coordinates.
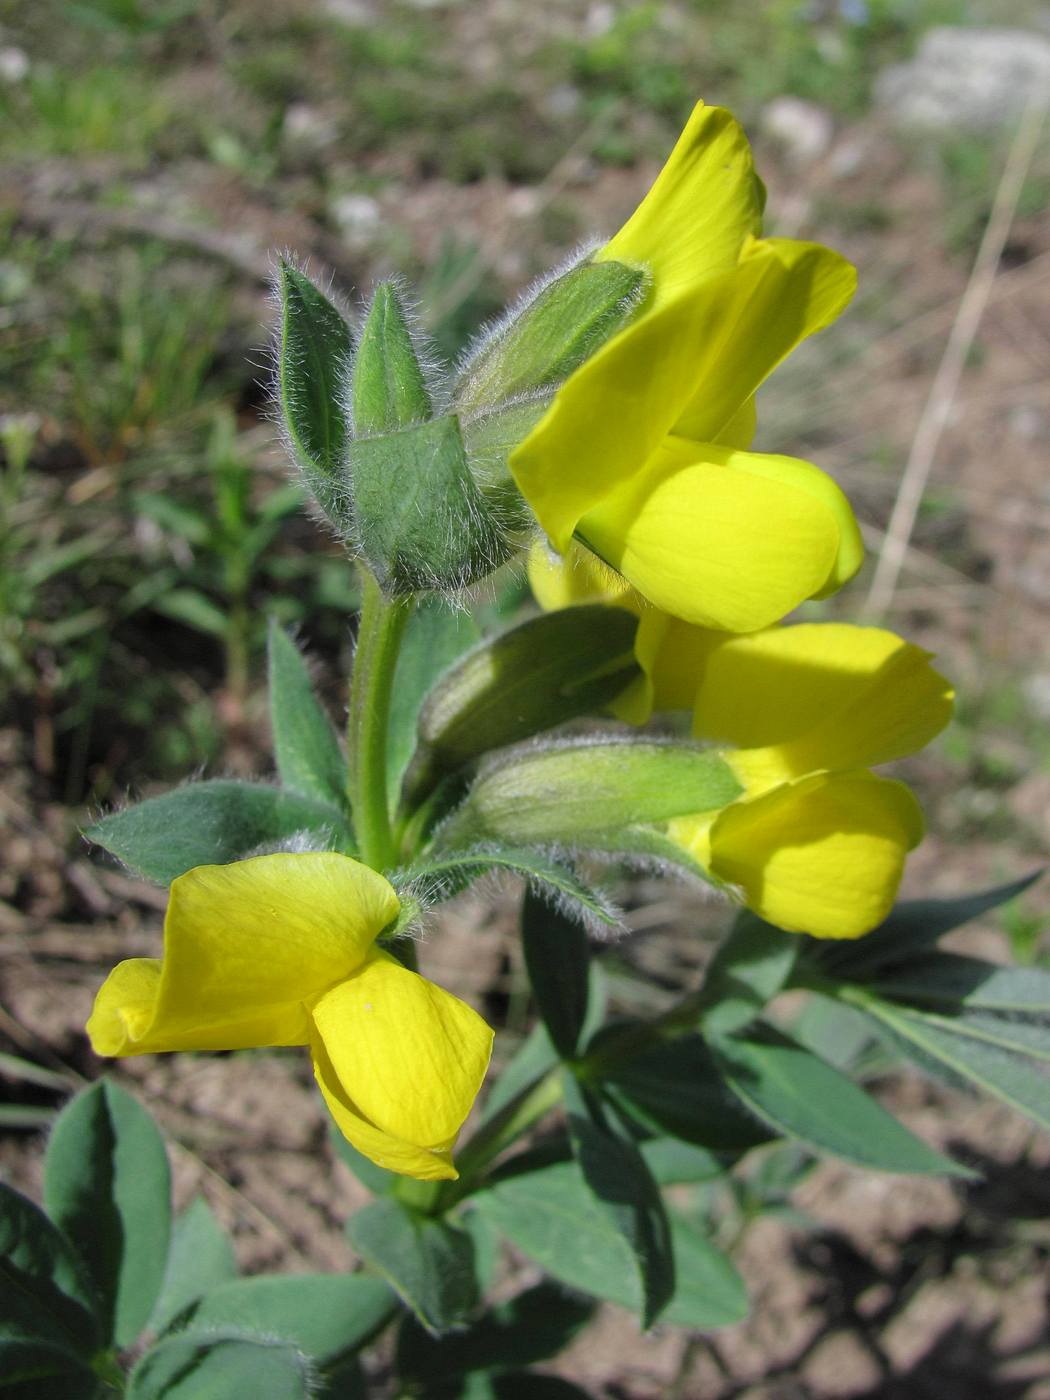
(281, 950)
(816, 843)
(642, 456)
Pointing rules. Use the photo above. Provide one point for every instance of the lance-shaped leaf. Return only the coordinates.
(214, 822)
(571, 790)
(622, 1185)
(748, 969)
(428, 1262)
(328, 1316)
(309, 759)
(804, 1097)
(199, 1259)
(389, 386)
(441, 877)
(108, 1187)
(313, 368)
(435, 636)
(946, 1050)
(207, 1366)
(547, 1211)
(557, 958)
(546, 671)
(949, 980)
(912, 927)
(48, 1297)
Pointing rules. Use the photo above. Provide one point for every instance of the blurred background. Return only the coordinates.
(154, 154)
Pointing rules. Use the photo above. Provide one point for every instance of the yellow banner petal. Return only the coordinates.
(823, 855)
(721, 538)
(244, 946)
(410, 1056)
(782, 291)
(706, 200)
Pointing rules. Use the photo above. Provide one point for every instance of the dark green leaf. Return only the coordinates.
(673, 1162)
(537, 675)
(941, 979)
(531, 1327)
(436, 634)
(37, 1370)
(936, 1045)
(677, 1088)
(557, 958)
(428, 1262)
(747, 971)
(207, 1366)
(445, 876)
(804, 1097)
(108, 1187)
(314, 359)
(325, 1315)
(200, 1258)
(309, 759)
(573, 789)
(211, 823)
(550, 1215)
(912, 927)
(618, 1178)
(47, 1294)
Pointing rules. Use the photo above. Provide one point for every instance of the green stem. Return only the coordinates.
(499, 1132)
(380, 630)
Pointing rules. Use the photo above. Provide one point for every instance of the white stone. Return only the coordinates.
(357, 216)
(802, 128)
(308, 127)
(14, 64)
(966, 79)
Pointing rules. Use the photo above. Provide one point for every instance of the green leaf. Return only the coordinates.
(313, 367)
(36, 1370)
(309, 759)
(107, 1185)
(557, 958)
(443, 877)
(937, 1046)
(677, 1088)
(211, 823)
(570, 790)
(746, 972)
(533, 1326)
(327, 1316)
(912, 926)
(205, 1366)
(548, 670)
(389, 388)
(372, 1177)
(549, 1214)
(940, 979)
(428, 1262)
(804, 1097)
(675, 1163)
(48, 1296)
(420, 519)
(618, 1178)
(200, 1258)
(435, 635)
(193, 609)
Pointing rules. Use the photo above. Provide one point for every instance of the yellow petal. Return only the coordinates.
(823, 855)
(821, 695)
(244, 946)
(402, 1063)
(782, 291)
(723, 538)
(703, 204)
(577, 576)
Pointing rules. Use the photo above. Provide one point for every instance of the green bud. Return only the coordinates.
(313, 363)
(420, 519)
(553, 334)
(389, 389)
(546, 671)
(566, 792)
